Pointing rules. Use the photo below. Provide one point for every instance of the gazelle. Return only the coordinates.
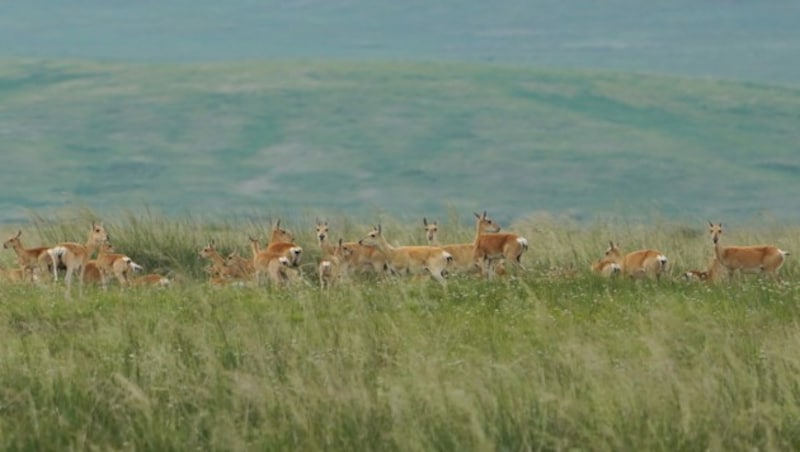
(747, 259)
(277, 264)
(16, 275)
(356, 256)
(463, 253)
(321, 231)
(27, 257)
(218, 268)
(280, 239)
(607, 267)
(74, 256)
(491, 245)
(712, 274)
(116, 264)
(410, 259)
(333, 268)
(238, 266)
(153, 279)
(638, 264)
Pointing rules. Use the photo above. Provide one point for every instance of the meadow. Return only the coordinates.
(552, 359)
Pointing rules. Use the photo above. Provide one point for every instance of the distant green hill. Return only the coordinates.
(411, 139)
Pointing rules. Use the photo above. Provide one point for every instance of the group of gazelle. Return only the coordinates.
(280, 260)
(34, 264)
(766, 259)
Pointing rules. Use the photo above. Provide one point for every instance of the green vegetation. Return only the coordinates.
(554, 359)
(410, 138)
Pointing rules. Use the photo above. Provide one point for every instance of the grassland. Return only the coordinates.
(554, 359)
(356, 138)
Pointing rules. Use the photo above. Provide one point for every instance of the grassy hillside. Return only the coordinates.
(555, 359)
(410, 139)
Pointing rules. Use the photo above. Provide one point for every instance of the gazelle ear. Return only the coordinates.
(19, 233)
(424, 221)
(477, 215)
(379, 228)
(484, 214)
(611, 243)
(340, 242)
(710, 224)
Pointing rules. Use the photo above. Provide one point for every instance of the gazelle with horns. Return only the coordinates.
(491, 246)
(463, 253)
(74, 256)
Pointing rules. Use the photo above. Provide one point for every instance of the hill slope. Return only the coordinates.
(409, 138)
(752, 41)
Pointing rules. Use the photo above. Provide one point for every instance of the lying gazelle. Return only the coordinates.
(152, 279)
(766, 259)
(712, 274)
(239, 267)
(115, 264)
(357, 257)
(413, 260)
(463, 253)
(218, 267)
(74, 256)
(638, 264)
(491, 246)
(16, 275)
(607, 267)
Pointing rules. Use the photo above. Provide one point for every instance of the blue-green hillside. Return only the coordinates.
(407, 138)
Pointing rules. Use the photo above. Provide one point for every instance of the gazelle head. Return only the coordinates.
(280, 235)
(294, 255)
(373, 237)
(13, 241)
(98, 234)
(209, 250)
(106, 247)
(486, 225)
(431, 230)
(322, 231)
(715, 230)
(613, 250)
(231, 257)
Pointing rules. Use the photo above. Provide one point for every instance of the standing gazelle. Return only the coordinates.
(463, 253)
(747, 259)
(74, 256)
(491, 246)
(638, 264)
(355, 256)
(410, 259)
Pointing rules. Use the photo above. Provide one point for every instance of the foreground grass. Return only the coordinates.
(553, 359)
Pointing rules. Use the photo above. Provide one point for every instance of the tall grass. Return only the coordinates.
(553, 359)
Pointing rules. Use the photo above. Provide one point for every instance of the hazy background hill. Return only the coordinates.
(412, 108)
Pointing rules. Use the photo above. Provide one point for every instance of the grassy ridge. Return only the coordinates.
(415, 138)
(554, 359)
